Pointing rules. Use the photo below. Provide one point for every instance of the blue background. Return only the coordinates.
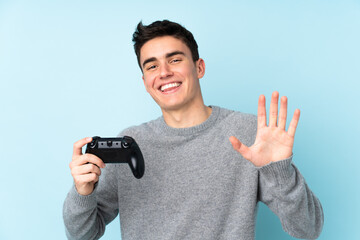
(68, 70)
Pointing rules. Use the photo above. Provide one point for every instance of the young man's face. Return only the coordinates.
(170, 75)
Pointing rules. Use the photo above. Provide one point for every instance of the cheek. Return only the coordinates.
(148, 82)
(192, 75)
(190, 71)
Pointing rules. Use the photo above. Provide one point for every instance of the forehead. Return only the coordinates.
(160, 46)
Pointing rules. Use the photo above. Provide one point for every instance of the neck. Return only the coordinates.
(187, 117)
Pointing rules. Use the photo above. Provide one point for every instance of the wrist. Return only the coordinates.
(279, 171)
(86, 189)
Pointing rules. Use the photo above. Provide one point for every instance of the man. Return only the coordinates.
(206, 167)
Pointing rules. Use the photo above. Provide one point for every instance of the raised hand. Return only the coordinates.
(85, 168)
(273, 143)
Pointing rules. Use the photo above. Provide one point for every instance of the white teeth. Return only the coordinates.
(170, 85)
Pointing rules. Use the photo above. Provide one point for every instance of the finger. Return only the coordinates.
(86, 178)
(283, 113)
(273, 109)
(79, 144)
(241, 148)
(85, 169)
(261, 112)
(294, 122)
(87, 158)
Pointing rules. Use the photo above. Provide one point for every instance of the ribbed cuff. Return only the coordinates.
(88, 201)
(281, 171)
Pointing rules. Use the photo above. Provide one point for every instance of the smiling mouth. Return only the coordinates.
(170, 86)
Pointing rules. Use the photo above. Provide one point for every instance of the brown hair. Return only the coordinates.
(145, 33)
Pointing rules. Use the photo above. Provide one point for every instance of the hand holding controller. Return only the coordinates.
(118, 150)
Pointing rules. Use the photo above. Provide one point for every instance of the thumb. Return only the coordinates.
(240, 148)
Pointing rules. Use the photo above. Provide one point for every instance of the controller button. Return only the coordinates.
(126, 142)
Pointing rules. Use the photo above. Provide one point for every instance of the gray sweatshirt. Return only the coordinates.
(195, 186)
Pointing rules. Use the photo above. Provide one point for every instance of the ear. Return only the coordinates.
(200, 68)
(144, 82)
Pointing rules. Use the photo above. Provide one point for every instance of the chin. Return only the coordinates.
(171, 107)
(170, 104)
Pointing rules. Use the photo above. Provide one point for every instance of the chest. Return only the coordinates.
(195, 169)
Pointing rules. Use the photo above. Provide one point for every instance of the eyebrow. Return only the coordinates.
(167, 56)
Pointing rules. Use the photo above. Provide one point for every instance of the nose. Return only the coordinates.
(165, 71)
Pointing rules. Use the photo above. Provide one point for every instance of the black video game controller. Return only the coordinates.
(118, 150)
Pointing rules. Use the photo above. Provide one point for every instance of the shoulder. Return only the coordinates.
(238, 124)
(146, 128)
(236, 118)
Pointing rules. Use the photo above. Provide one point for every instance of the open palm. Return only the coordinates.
(273, 143)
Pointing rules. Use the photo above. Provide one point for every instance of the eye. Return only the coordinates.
(175, 60)
(151, 67)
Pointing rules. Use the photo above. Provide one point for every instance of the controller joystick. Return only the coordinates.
(118, 150)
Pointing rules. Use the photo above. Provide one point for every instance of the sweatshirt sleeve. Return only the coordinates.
(85, 217)
(284, 190)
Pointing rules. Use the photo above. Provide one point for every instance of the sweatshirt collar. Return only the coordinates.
(166, 129)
